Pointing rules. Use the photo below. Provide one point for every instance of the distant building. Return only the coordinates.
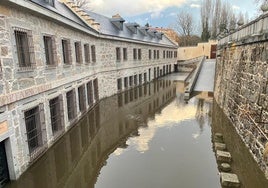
(57, 61)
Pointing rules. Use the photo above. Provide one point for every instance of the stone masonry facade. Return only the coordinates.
(32, 91)
(241, 85)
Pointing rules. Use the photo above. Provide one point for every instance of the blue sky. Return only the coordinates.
(162, 13)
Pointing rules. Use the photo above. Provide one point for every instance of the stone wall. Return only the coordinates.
(21, 90)
(241, 85)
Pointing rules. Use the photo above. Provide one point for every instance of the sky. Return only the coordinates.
(162, 13)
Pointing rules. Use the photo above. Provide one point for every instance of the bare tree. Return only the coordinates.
(185, 27)
(206, 12)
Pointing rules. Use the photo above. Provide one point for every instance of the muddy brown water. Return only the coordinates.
(147, 137)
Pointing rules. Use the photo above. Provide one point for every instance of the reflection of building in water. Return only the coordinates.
(75, 161)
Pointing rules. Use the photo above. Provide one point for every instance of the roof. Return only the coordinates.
(106, 26)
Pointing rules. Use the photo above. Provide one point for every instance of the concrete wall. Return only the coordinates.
(21, 90)
(202, 49)
(241, 85)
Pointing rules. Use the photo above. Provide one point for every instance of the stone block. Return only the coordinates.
(223, 156)
(225, 167)
(218, 137)
(229, 180)
(219, 146)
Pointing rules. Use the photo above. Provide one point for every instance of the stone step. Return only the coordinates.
(229, 180)
(223, 156)
(219, 146)
(225, 167)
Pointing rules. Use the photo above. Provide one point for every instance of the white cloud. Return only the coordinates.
(236, 7)
(195, 5)
(172, 14)
(157, 14)
(130, 7)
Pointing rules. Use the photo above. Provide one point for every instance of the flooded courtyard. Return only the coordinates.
(146, 137)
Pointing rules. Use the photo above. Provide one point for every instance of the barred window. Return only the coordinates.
(139, 54)
(125, 54)
(56, 114)
(66, 51)
(25, 48)
(157, 54)
(119, 84)
(154, 54)
(145, 77)
(118, 54)
(89, 93)
(33, 128)
(135, 80)
(93, 53)
(150, 54)
(50, 50)
(164, 54)
(140, 79)
(126, 82)
(87, 53)
(130, 81)
(96, 89)
(82, 98)
(78, 52)
(71, 104)
(134, 53)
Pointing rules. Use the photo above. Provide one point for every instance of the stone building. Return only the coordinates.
(57, 61)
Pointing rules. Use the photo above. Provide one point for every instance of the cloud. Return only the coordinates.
(132, 8)
(195, 6)
(235, 7)
(155, 15)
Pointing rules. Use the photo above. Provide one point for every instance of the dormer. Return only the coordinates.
(159, 35)
(152, 33)
(133, 27)
(50, 2)
(118, 21)
(144, 30)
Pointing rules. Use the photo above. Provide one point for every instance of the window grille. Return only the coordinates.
(71, 105)
(87, 53)
(134, 53)
(96, 89)
(78, 52)
(33, 128)
(119, 84)
(89, 93)
(25, 48)
(139, 54)
(66, 51)
(125, 54)
(82, 98)
(93, 53)
(56, 115)
(118, 54)
(50, 50)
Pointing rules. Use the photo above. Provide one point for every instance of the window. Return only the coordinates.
(93, 53)
(50, 50)
(56, 114)
(175, 54)
(96, 89)
(164, 54)
(89, 93)
(130, 81)
(118, 54)
(87, 53)
(78, 52)
(50, 2)
(126, 82)
(139, 54)
(154, 54)
(33, 128)
(82, 98)
(125, 54)
(150, 54)
(140, 79)
(66, 51)
(157, 54)
(134, 53)
(25, 49)
(71, 104)
(145, 77)
(135, 80)
(119, 84)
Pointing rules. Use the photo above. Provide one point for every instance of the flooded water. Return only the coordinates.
(147, 137)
